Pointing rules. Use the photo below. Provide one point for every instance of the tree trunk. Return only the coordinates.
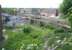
(1, 28)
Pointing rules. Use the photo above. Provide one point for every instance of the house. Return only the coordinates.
(24, 11)
(37, 12)
(48, 12)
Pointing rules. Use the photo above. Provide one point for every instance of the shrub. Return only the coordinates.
(27, 29)
(42, 24)
(17, 39)
(49, 26)
(8, 27)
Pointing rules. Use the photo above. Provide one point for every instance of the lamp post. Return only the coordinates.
(1, 30)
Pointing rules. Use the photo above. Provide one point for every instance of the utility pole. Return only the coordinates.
(1, 30)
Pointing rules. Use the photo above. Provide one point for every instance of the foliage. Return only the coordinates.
(19, 40)
(42, 24)
(27, 29)
(33, 37)
(11, 11)
(61, 39)
(67, 4)
(66, 9)
(49, 26)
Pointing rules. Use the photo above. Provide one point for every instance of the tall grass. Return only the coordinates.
(28, 35)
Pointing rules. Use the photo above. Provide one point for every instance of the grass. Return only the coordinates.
(17, 39)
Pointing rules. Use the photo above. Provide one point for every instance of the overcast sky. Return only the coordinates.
(30, 3)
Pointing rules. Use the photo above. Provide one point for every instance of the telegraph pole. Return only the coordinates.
(1, 29)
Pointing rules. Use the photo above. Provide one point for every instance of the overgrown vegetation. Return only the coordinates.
(30, 35)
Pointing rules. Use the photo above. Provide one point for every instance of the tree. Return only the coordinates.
(65, 6)
(66, 9)
(61, 39)
(11, 11)
(1, 28)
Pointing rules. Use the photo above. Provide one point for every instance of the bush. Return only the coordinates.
(27, 29)
(8, 27)
(49, 26)
(59, 31)
(42, 24)
(32, 35)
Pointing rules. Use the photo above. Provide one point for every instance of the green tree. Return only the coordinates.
(61, 39)
(65, 6)
(66, 10)
(11, 11)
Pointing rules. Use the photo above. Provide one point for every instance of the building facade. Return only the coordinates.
(37, 12)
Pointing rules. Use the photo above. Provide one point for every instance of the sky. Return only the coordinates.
(30, 3)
